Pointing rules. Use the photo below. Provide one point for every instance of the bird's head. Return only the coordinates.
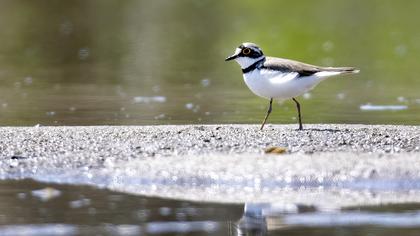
(246, 54)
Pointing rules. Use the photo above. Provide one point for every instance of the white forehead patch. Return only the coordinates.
(237, 51)
(250, 45)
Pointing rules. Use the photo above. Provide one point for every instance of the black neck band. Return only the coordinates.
(253, 66)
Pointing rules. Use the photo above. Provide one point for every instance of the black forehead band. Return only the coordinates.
(252, 48)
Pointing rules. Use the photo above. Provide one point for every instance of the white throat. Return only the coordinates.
(245, 62)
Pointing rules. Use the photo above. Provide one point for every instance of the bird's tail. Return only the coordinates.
(326, 72)
(342, 70)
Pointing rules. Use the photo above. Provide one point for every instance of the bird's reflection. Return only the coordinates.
(260, 218)
(253, 222)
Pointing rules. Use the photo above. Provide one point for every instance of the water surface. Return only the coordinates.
(34, 208)
(98, 62)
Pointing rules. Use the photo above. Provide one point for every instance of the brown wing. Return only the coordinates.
(303, 69)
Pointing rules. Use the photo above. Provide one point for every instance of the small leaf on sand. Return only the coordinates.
(275, 150)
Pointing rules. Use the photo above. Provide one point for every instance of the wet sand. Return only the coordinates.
(324, 165)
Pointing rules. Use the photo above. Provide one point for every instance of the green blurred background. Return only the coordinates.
(95, 62)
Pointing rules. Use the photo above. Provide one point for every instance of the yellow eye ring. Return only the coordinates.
(246, 51)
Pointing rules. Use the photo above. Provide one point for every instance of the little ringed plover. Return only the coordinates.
(278, 78)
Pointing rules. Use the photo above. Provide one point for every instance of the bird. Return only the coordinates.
(278, 78)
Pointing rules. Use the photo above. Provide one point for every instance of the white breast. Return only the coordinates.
(279, 85)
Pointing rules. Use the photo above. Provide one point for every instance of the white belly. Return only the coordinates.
(278, 85)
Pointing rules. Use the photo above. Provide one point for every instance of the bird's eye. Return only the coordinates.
(246, 51)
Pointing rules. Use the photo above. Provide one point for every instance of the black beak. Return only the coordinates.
(231, 57)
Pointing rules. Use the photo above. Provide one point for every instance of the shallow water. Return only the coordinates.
(162, 62)
(34, 208)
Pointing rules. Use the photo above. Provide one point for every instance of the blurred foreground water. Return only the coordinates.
(33, 208)
(162, 62)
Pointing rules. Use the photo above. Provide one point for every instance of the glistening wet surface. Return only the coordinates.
(34, 208)
(377, 165)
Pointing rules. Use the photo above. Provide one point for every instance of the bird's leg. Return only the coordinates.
(268, 113)
(300, 118)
